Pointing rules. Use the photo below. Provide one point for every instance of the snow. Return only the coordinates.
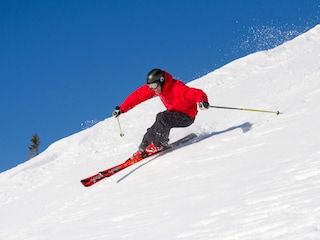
(249, 175)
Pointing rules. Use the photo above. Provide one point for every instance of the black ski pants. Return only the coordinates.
(158, 133)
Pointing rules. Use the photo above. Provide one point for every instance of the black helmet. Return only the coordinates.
(155, 75)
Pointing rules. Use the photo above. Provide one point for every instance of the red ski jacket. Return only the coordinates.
(175, 95)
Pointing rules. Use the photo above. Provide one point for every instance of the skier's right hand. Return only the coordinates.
(116, 112)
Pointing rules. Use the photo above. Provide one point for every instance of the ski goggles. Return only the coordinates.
(153, 85)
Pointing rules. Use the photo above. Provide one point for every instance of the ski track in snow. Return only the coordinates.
(247, 176)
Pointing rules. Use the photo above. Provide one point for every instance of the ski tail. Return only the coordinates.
(183, 140)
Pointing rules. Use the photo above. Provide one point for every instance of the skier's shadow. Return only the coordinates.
(245, 127)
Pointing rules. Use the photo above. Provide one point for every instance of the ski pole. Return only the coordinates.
(121, 133)
(248, 109)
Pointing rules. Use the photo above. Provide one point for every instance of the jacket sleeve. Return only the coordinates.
(196, 94)
(140, 95)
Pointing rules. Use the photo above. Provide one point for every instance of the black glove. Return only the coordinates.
(204, 105)
(116, 112)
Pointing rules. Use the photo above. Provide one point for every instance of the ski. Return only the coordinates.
(89, 181)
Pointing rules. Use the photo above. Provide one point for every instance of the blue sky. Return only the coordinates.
(65, 65)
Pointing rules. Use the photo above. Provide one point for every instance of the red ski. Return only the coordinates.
(89, 181)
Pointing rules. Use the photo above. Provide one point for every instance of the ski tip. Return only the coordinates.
(84, 183)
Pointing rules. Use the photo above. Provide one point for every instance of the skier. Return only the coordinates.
(179, 100)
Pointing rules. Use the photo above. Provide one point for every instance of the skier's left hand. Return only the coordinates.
(204, 105)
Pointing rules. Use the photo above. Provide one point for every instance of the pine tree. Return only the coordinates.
(34, 148)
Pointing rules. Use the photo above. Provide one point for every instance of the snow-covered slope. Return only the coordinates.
(249, 176)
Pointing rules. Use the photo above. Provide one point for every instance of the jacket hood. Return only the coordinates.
(168, 81)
